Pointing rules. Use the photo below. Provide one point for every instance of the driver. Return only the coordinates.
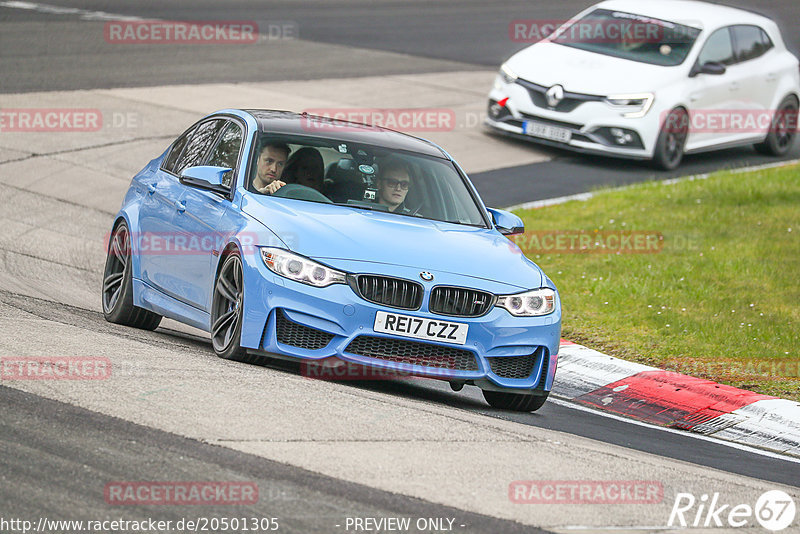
(305, 167)
(394, 181)
(269, 168)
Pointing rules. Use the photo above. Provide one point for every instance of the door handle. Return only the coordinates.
(734, 86)
(771, 77)
(180, 206)
(151, 188)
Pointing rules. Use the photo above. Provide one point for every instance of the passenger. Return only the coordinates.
(305, 167)
(394, 182)
(269, 168)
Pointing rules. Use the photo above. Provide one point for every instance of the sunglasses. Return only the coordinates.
(393, 184)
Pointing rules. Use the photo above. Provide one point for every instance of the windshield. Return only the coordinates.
(629, 36)
(359, 176)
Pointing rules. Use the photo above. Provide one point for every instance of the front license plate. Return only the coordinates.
(420, 328)
(545, 131)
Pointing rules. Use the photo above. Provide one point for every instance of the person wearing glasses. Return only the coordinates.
(394, 182)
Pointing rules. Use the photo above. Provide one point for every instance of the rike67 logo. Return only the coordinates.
(774, 510)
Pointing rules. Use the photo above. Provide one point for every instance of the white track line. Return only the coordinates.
(746, 448)
(58, 10)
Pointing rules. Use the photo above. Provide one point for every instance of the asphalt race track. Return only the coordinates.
(91, 445)
(319, 452)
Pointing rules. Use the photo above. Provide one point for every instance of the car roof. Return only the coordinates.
(688, 12)
(303, 124)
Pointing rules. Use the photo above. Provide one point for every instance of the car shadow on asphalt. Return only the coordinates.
(410, 387)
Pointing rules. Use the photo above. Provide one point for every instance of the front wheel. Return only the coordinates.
(514, 401)
(226, 310)
(672, 140)
(118, 285)
(782, 130)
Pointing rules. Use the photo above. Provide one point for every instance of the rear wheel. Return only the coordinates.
(514, 401)
(672, 140)
(782, 131)
(118, 285)
(226, 310)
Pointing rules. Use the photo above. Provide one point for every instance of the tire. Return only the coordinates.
(514, 401)
(226, 309)
(671, 141)
(117, 294)
(782, 131)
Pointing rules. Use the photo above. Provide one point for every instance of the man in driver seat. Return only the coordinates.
(394, 181)
(269, 168)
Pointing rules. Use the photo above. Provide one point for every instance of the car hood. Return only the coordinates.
(580, 71)
(328, 233)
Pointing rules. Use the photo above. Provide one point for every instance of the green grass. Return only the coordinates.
(720, 300)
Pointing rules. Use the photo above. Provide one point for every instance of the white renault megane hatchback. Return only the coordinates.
(651, 80)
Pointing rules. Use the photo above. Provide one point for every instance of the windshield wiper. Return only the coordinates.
(461, 223)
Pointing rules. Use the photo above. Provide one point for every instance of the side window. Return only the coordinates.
(751, 42)
(226, 153)
(197, 147)
(175, 151)
(718, 48)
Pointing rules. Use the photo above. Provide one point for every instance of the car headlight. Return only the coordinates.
(506, 74)
(637, 104)
(300, 269)
(530, 303)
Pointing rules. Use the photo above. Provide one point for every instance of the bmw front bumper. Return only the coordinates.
(302, 322)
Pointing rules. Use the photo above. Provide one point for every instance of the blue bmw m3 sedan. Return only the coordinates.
(291, 236)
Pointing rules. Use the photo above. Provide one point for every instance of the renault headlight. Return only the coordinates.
(300, 269)
(530, 303)
(632, 106)
(506, 74)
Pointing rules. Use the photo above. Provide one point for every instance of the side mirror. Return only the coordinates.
(506, 222)
(709, 67)
(206, 177)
